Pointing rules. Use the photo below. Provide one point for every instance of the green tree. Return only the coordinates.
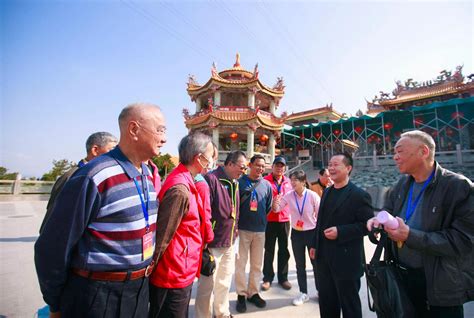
(164, 164)
(4, 175)
(59, 168)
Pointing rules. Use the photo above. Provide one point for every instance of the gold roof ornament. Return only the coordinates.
(237, 61)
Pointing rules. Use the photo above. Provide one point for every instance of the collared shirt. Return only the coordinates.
(310, 210)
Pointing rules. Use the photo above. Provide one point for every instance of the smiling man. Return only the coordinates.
(343, 213)
(435, 212)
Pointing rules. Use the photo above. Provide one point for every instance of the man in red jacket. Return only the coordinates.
(278, 228)
(178, 230)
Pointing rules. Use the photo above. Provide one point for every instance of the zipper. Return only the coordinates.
(185, 252)
(233, 200)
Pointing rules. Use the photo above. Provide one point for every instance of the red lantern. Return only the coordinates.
(456, 115)
(234, 136)
(358, 129)
(317, 135)
(337, 132)
(263, 138)
(388, 126)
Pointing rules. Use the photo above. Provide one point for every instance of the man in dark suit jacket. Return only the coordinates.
(338, 244)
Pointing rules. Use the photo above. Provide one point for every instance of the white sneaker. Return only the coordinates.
(300, 299)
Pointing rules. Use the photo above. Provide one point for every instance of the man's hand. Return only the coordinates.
(331, 233)
(312, 253)
(401, 233)
(276, 203)
(372, 223)
(56, 314)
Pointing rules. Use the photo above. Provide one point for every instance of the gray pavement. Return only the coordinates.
(19, 290)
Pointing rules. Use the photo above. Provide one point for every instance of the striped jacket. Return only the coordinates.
(97, 223)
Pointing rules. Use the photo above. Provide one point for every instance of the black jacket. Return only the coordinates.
(447, 245)
(349, 215)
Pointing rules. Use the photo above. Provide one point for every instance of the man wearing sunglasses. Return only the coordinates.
(224, 195)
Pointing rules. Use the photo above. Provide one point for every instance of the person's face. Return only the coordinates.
(409, 154)
(278, 169)
(205, 160)
(257, 168)
(152, 133)
(325, 179)
(338, 171)
(235, 169)
(297, 184)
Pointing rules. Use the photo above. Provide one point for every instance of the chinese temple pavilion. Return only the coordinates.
(237, 110)
(442, 107)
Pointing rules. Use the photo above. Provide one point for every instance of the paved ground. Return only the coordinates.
(19, 291)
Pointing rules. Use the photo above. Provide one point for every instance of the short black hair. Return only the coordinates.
(322, 171)
(347, 159)
(233, 156)
(256, 157)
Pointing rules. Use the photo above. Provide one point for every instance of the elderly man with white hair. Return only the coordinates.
(94, 255)
(434, 208)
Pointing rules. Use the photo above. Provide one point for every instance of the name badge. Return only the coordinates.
(299, 225)
(147, 245)
(253, 205)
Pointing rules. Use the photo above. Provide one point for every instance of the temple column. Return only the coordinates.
(251, 99)
(217, 98)
(215, 137)
(271, 147)
(250, 142)
(198, 105)
(272, 107)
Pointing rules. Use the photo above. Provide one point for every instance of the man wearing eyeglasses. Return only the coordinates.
(255, 203)
(224, 195)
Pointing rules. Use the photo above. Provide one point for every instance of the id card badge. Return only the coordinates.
(299, 225)
(253, 205)
(147, 245)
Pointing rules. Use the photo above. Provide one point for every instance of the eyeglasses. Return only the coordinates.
(242, 167)
(211, 164)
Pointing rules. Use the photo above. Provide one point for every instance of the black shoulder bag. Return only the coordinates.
(384, 284)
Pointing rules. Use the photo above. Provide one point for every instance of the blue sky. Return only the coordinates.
(69, 67)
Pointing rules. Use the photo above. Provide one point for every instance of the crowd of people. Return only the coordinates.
(117, 242)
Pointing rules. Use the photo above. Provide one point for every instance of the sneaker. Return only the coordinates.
(285, 285)
(257, 301)
(266, 286)
(300, 299)
(241, 306)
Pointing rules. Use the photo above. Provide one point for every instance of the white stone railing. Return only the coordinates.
(25, 187)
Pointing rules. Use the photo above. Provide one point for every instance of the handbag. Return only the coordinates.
(385, 285)
(208, 266)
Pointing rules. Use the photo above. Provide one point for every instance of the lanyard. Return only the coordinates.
(143, 199)
(297, 204)
(412, 206)
(254, 192)
(278, 185)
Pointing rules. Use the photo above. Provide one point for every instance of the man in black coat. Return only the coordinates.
(338, 244)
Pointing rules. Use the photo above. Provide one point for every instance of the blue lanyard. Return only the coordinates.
(254, 192)
(143, 199)
(412, 206)
(297, 204)
(278, 186)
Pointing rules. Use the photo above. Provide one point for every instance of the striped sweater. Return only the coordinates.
(97, 223)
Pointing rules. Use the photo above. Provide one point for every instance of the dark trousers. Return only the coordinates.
(169, 302)
(337, 294)
(83, 297)
(300, 242)
(276, 231)
(415, 284)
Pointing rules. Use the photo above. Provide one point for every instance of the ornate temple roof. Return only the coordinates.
(234, 116)
(322, 113)
(235, 77)
(446, 84)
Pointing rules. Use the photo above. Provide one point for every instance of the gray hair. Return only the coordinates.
(100, 139)
(422, 137)
(192, 145)
(130, 109)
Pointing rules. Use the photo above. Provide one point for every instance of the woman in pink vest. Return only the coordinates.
(178, 230)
